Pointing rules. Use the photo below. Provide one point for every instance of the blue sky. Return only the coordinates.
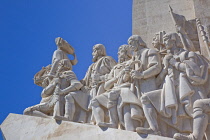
(28, 30)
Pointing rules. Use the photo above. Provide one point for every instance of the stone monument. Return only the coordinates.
(159, 89)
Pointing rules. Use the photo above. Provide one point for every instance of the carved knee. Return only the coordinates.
(69, 98)
(94, 103)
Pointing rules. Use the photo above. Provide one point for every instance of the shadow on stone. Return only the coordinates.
(103, 128)
(143, 135)
(58, 121)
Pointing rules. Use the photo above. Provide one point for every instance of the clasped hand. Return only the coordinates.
(136, 74)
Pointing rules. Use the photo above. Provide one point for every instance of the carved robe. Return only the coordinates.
(150, 67)
(183, 85)
(120, 94)
(101, 67)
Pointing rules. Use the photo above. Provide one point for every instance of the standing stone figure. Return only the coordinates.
(64, 48)
(95, 77)
(201, 121)
(118, 98)
(185, 76)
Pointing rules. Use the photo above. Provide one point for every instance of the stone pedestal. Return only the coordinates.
(22, 127)
(152, 16)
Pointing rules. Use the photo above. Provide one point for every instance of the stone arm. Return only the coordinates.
(106, 66)
(47, 91)
(74, 83)
(161, 77)
(110, 80)
(154, 64)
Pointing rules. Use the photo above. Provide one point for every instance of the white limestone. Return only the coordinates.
(21, 127)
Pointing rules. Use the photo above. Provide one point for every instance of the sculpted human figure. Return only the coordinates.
(144, 74)
(95, 76)
(118, 98)
(201, 122)
(61, 53)
(185, 76)
(52, 103)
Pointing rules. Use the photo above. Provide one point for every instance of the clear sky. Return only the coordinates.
(28, 30)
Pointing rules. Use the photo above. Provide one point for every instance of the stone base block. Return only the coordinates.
(22, 127)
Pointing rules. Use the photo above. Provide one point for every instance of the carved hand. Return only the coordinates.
(58, 91)
(166, 61)
(136, 74)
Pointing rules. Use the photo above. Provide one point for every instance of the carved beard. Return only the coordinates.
(95, 58)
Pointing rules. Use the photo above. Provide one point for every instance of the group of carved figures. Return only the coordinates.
(163, 90)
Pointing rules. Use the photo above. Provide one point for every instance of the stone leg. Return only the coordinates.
(97, 111)
(69, 107)
(82, 116)
(208, 130)
(113, 117)
(200, 121)
(151, 116)
(39, 110)
(127, 118)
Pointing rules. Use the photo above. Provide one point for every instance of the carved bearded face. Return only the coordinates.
(134, 44)
(124, 53)
(121, 55)
(98, 51)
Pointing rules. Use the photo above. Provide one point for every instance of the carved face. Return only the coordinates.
(156, 41)
(122, 55)
(169, 43)
(96, 53)
(134, 44)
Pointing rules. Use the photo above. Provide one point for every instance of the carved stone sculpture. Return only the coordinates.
(201, 120)
(186, 75)
(95, 77)
(119, 99)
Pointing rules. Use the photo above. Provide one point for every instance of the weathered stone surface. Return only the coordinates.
(151, 16)
(22, 127)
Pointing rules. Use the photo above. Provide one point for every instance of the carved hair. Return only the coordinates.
(175, 37)
(138, 39)
(100, 47)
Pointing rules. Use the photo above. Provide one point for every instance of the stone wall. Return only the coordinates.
(151, 16)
